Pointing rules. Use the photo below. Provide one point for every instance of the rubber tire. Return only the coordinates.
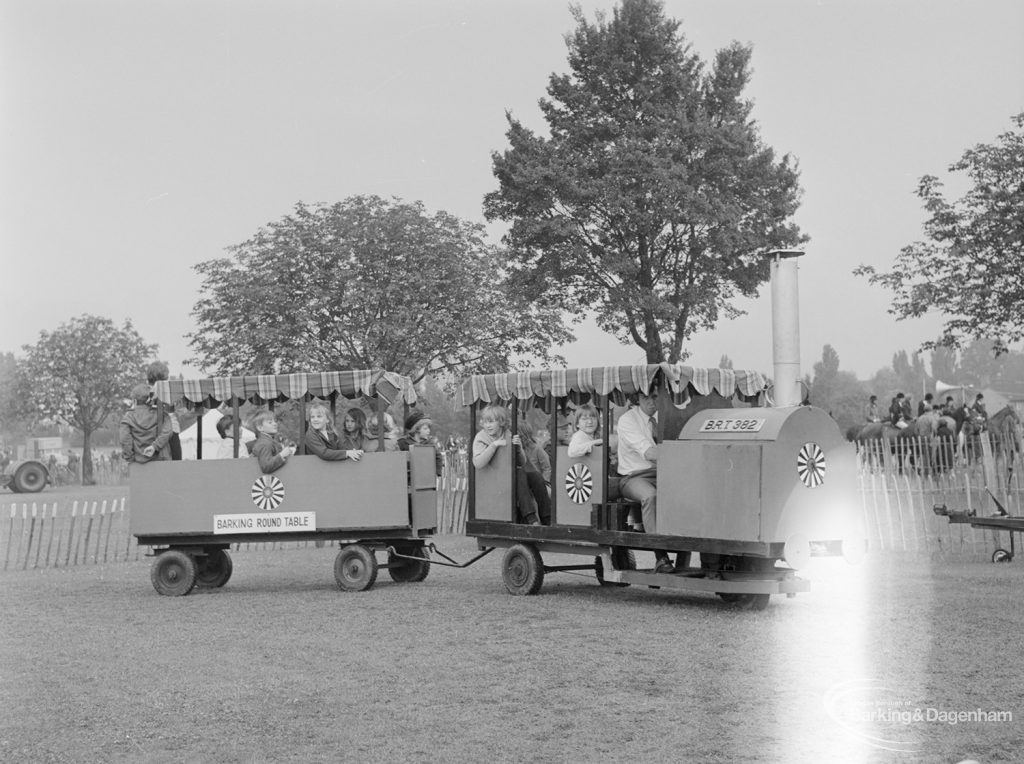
(355, 568)
(30, 478)
(173, 573)
(404, 571)
(522, 569)
(1001, 555)
(214, 569)
(624, 559)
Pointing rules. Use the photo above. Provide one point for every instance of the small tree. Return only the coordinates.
(971, 269)
(80, 373)
(366, 283)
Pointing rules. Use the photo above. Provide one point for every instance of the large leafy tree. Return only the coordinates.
(653, 194)
(366, 283)
(971, 267)
(81, 372)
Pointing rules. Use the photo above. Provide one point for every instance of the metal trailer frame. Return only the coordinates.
(1001, 521)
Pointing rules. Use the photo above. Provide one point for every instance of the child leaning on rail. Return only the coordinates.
(323, 440)
(143, 433)
(267, 448)
(494, 434)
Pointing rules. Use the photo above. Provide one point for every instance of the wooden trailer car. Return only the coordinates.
(192, 511)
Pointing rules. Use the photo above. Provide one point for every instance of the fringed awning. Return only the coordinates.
(262, 388)
(615, 382)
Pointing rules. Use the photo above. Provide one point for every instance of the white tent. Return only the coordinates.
(211, 438)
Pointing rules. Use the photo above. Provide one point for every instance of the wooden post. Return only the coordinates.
(10, 535)
(53, 524)
(470, 467)
(110, 522)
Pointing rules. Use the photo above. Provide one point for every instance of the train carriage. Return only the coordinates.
(745, 492)
(192, 511)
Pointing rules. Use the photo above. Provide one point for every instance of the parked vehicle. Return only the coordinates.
(25, 476)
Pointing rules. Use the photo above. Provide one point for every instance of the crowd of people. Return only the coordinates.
(900, 410)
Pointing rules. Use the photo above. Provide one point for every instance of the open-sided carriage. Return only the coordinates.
(192, 511)
(746, 493)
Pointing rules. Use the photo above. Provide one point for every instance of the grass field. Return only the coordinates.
(281, 666)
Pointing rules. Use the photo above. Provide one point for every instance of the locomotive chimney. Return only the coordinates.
(785, 326)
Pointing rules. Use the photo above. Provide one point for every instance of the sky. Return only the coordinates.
(139, 139)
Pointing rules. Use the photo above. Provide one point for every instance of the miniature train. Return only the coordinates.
(746, 492)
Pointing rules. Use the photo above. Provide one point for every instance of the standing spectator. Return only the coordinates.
(871, 410)
(73, 463)
(158, 371)
(899, 411)
(143, 435)
(978, 413)
(925, 405)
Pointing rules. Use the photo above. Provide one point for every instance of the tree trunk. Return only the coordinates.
(87, 478)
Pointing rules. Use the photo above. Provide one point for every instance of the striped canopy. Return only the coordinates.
(616, 382)
(261, 388)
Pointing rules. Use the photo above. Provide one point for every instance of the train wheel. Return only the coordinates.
(624, 559)
(173, 573)
(30, 478)
(355, 568)
(406, 571)
(214, 569)
(1001, 555)
(522, 569)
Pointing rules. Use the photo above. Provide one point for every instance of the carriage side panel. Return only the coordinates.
(710, 490)
(578, 485)
(183, 497)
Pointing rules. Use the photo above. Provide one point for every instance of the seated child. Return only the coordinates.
(494, 434)
(389, 433)
(417, 433)
(268, 448)
(143, 433)
(353, 430)
(588, 432)
(323, 440)
(227, 426)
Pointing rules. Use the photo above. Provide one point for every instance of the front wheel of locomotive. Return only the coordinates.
(624, 559)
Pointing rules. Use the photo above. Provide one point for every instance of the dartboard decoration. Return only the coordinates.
(579, 483)
(267, 492)
(810, 465)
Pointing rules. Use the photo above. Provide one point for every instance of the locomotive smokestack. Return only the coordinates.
(785, 326)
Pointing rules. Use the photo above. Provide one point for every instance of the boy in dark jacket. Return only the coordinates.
(267, 448)
(144, 435)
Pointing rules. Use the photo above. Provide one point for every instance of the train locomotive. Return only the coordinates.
(746, 492)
